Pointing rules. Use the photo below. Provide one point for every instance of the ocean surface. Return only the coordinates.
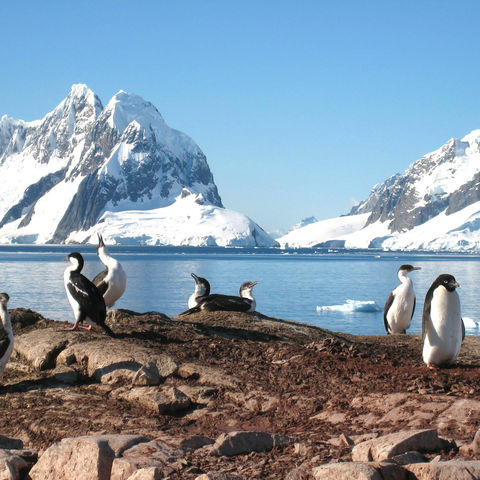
(292, 283)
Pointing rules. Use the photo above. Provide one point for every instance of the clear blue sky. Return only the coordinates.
(300, 106)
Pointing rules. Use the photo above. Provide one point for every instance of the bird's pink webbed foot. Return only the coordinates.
(76, 326)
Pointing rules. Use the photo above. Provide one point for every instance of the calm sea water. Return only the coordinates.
(292, 283)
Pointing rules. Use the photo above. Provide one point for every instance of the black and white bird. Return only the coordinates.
(442, 325)
(85, 299)
(6, 333)
(112, 281)
(216, 302)
(202, 289)
(400, 305)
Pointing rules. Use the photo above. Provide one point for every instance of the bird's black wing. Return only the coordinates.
(228, 303)
(463, 329)
(4, 341)
(414, 304)
(100, 283)
(426, 311)
(218, 302)
(89, 298)
(195, 309)
(388, 304)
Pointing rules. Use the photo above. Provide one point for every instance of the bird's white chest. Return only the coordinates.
(400, 312)
(444, 332)
(117, 283)
(192, 301)
(73, 303)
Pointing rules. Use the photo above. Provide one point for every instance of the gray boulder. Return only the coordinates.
(236, 443)
(389, 446)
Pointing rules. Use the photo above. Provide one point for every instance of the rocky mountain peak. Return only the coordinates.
(63, 172)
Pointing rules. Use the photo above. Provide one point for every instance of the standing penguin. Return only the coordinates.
(202, 288)
(400, 305)
(6, 333)
(84, 297)
(442, 326)
(112, 281)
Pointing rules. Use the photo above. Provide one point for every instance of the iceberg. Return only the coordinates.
(470, 323)
(351, 306)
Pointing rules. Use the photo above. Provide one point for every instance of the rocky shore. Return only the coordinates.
(232, 396)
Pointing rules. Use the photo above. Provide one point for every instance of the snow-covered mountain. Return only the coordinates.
(433, 205)
(118, 169)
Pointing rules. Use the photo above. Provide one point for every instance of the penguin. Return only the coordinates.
(112, 281)
(212, 303)
(202, 289)
(85, 299)
(400, 304)
(6, 333)
(442, 325)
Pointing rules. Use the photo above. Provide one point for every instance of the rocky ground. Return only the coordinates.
(304, 397)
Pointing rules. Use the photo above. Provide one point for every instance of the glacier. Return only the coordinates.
(118, 169)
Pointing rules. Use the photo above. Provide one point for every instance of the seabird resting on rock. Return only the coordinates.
(86, 301)
(212, 303)
(6, 333)
(112, 281)
(442, 325)
(202, 289)
(400, 305)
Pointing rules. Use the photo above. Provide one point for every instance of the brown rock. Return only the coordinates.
(149, 455)
(236, 443)
(198, 393)
(87, 458)
(346, 471)
(451, 470)
(295, 474)
(12, 466)
(204, 374)
(23, 317)
(117, 361)
(66, 375)
(388, 446)
(359, 471)
(474, 447)
(152, 473)
(41, 347)
(409, 457)
(195, 442)
(163, 400)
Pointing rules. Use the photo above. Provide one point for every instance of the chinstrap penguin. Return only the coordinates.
(202, 289)
(216, 302)
(400, 305)
(442, 325)
(6, 333)
(112, 281)
(86, 301)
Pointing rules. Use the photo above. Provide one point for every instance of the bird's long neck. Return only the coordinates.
(105, 257)
(402, 276)
(7, 324)
(247, 294)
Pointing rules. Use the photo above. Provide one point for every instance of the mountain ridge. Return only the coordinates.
(430, 206)
(82, 160)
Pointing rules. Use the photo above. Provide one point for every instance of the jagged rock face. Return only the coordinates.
(82, 159)
(447, 179)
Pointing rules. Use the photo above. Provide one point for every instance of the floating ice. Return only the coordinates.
(351, 306)
(470, 323)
